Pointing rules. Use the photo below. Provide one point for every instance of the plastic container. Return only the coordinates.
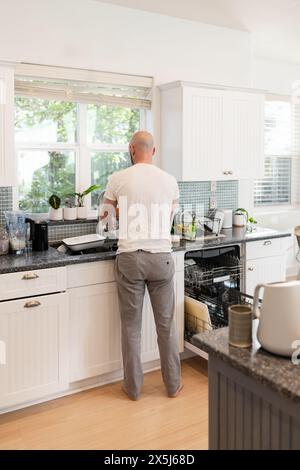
(4, 242)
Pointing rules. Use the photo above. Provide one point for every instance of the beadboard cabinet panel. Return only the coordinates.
(34, 334)
(203, 122)
(211, 133)
(94, 335)
(243, 155)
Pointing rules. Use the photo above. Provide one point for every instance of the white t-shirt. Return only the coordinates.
(145, 196)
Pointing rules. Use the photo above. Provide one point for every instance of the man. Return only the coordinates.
(146, 197)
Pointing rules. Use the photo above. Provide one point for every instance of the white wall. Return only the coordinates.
(275, 76)
(93, 35)
(89, 34)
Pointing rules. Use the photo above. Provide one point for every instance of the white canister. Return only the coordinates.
(239, 220)
(227, 222)
(55, 214)
(70, 213)
(81, 213)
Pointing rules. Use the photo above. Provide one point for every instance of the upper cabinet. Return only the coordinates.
(211, 134)
(7, 143)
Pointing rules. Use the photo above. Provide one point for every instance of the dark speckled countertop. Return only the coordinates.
(52, 258)
(277, 372)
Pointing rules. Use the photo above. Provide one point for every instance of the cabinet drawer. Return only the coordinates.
(265, 248)
(30, 283)
(87, 274)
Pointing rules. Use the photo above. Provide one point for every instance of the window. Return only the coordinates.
(276, 186)
(65, 145)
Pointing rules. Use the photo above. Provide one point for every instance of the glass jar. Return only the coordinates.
(4, 242)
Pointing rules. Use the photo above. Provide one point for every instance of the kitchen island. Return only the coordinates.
(254, 396)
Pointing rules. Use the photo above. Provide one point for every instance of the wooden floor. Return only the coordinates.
(104, 418)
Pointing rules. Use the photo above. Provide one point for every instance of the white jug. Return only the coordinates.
(279, 316)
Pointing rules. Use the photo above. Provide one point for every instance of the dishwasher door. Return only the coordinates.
(212, 283)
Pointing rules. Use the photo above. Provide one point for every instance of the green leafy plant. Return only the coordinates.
(80, 196)
(240, 210)
(54, 201)
(70, 202)
(251, 220)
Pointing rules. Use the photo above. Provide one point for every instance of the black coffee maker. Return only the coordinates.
(38, 234)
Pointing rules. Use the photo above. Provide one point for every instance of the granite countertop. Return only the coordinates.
(277, 372)
(52, 258)
(233, 236)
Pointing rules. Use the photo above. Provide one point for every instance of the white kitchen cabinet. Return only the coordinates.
(211, 133)
(179, 305)
(7, 136)
(94, 331)
(33, 334)
(264, 270)
(243, 150)
(265, 262)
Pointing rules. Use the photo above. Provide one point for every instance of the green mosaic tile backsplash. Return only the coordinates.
(195, 193)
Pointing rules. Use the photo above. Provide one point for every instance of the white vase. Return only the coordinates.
(55, 214)
(82, 212)
(70, 213)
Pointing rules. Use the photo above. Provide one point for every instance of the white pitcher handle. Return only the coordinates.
(256, 311)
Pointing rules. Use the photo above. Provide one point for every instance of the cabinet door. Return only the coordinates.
(95, 346)
(7, 138)
(179, 296)
(33, 333)
(243, 155)
(264, 270)
(203, 123)
(149, 348)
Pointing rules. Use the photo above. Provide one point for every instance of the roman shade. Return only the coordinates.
(85, 86)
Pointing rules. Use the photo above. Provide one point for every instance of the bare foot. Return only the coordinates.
(174, 395)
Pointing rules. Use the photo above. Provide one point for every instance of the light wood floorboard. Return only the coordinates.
(104, 418)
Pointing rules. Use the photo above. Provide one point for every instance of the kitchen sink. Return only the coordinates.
(108, 246)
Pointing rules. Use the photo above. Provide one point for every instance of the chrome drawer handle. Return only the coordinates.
(250, 268)
(32, 303)
(268, 242)
(29, 276)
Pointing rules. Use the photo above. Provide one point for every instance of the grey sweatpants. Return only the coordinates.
(134, 271)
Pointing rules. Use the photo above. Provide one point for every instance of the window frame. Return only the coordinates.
(82, 150)
(269, 208)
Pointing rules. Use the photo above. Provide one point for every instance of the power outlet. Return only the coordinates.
(213, 202)
(213, 186)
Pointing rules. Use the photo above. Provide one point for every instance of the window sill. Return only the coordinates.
(269, 210)
(55, 223)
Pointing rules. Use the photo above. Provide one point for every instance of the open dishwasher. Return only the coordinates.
(213, 281)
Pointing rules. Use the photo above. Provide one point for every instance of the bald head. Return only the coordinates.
(141, 147)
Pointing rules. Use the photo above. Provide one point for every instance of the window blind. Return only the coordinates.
(83, 86)
(275, 187)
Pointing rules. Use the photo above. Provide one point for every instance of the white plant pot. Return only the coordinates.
(81, 213)
(55, 214)
(70, 213)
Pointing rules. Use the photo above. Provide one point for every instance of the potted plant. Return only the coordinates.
(70, 210)
(55, 209)
(81, 209)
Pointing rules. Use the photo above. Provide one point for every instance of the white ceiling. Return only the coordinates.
(274, 24)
